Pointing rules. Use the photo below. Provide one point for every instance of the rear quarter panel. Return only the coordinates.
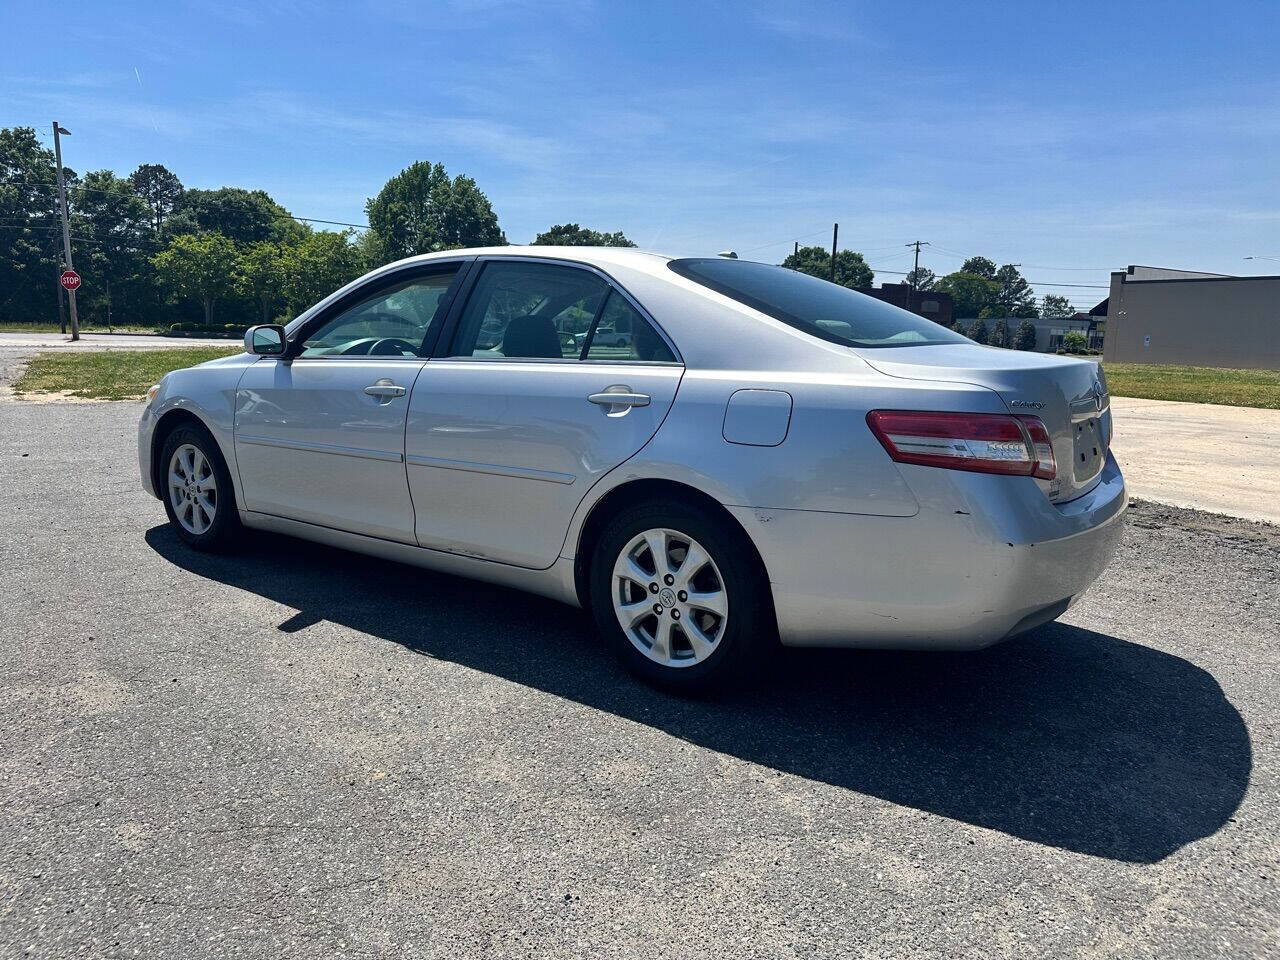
(829, 461)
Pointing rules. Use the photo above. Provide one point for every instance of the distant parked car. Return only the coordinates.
(607, 337)
(764, 455)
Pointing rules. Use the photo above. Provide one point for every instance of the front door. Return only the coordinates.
(508, 432)
(319, 435)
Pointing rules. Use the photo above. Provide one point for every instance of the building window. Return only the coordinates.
(929, 306)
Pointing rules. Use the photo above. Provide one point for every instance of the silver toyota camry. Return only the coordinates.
(710, 454)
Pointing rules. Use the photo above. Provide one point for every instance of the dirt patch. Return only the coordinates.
(1158, 516)
(57, 396)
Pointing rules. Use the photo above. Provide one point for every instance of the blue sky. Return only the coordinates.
(1072, 138)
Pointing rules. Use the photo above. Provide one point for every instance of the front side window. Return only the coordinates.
(393, 322)
(824, 310)
(529, 310)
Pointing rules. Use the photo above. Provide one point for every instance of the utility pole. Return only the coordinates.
(835, 236)
(914, 273)
(66, 223)
(796, 251)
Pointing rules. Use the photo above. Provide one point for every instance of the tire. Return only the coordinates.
(188, 507)
(711, 635)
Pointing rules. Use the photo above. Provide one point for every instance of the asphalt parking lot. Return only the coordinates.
(297, 752)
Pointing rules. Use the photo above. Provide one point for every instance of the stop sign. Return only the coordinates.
(70, 279)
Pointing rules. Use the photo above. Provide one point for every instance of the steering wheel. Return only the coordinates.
(393, 346)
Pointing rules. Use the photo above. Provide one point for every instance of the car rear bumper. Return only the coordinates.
(986, 557)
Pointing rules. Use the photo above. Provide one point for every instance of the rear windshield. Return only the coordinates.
(825, 310)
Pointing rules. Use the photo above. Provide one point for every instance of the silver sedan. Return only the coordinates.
(709, 454)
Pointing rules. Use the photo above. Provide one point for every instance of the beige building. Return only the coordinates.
(1156, 315)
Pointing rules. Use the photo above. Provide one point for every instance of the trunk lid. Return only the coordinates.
(1068, 394)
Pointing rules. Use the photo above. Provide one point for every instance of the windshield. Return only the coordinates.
(825, 310)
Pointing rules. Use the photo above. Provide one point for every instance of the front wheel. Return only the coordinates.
(197, 489)
(679, 597)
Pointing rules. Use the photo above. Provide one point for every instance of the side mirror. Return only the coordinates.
(266, 339)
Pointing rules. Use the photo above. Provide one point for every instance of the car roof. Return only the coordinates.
(646, 260)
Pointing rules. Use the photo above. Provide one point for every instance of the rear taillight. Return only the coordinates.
(982, 442)
(1046, 467)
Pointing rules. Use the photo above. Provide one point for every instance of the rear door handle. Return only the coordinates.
(618, 399)
(384, 388)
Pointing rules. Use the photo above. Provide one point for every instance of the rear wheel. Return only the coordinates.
(196, 488)
(679, 596)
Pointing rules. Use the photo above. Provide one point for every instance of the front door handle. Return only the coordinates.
(385, 390)
(618, 399)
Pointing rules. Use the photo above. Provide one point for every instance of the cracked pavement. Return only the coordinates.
(295, 752)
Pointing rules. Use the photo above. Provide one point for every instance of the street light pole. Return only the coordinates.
(66, 223)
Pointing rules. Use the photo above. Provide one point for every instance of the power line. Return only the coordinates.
(1082, 286)
(81, 187)
(1041, 266)
(776, 243)
(1034, 266)
(13, 226)
(337, 223)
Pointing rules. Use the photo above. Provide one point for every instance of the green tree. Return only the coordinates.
(1073, 341)
(851, 269)
(116, 263)
(421, 210)
(977, 331)
(979, 266)
(1000, 334)
(159, 189)
(572, 235)
(921, 278)
(261, 275)
(1014, 296)
(30, 239)
(242, 216)
(199, 267)
(319, 265)
(1055, 307)
(1025, 338)
(370, 250)
(970, 292)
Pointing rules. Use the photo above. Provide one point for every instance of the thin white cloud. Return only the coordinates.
(808, 21)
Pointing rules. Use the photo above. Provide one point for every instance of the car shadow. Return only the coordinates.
(1064, 737)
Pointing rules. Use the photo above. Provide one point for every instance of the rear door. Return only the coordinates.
(319, 434)
(522, 412)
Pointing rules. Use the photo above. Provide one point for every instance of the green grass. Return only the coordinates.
(1238, 388)
(108, 374)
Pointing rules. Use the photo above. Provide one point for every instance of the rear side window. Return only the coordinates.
(542, 311)
(622, 333)
(530, 311)
(824, 310)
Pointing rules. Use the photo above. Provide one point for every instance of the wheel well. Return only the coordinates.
(166, 425)
(636, 491)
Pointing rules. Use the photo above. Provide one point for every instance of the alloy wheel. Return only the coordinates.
(670, 598)
(193, 489)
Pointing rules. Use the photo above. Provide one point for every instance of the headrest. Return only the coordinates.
(530, 336)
